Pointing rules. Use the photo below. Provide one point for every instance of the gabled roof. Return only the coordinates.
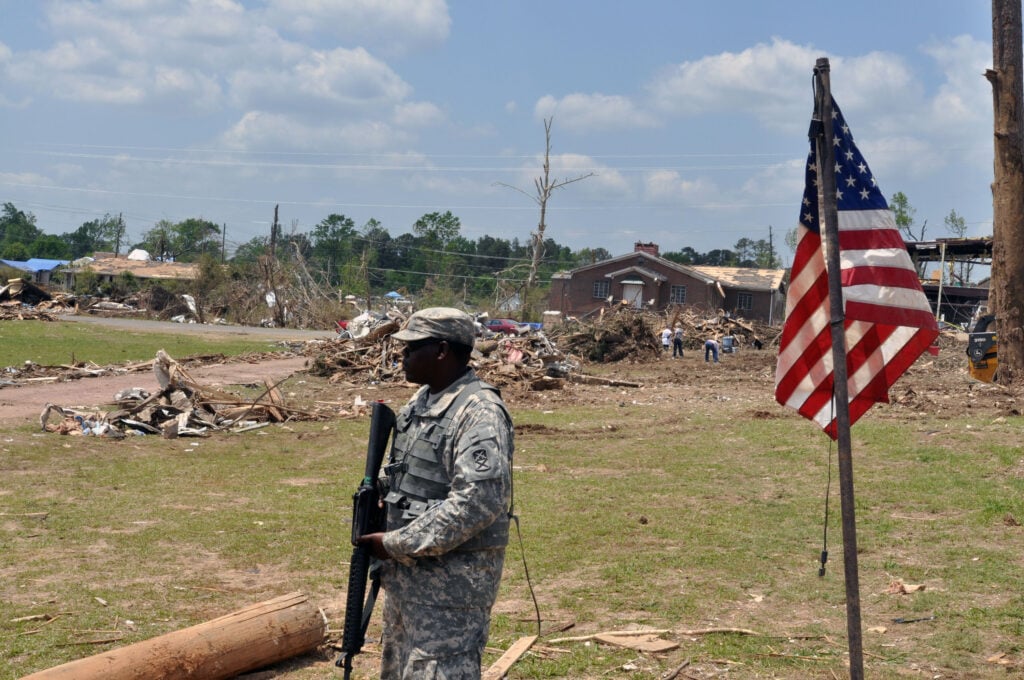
(634, 259)
(642, 271)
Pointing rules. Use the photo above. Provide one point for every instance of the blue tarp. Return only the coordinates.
(35, 264)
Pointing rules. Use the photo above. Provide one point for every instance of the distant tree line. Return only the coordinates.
(433, 256)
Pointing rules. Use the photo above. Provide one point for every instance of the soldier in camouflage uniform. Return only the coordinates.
(449, 490)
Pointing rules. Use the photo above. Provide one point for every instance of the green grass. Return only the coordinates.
(57, 343)
(678, 517)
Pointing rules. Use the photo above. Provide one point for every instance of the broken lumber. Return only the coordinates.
(640, 641)
(250, 638)
(595, 380)
(500, 667)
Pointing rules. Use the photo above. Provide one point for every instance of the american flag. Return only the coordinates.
(888, 321)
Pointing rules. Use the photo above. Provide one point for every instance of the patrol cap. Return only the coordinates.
(440, 323)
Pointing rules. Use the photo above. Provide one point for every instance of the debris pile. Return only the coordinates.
(182, 407)
(623, 335)
(532, 361)
(21, 300)
(372, 357)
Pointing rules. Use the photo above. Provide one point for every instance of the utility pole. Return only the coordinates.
(273, 234)
(223, 243)
(119, 235)
(1006, 292)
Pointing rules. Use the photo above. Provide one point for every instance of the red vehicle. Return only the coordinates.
(506, 326)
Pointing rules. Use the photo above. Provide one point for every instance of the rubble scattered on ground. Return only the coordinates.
(541, 360)
(181, 408)
(22, 300)
(546, 360)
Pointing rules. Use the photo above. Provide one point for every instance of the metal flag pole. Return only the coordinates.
(830, 215)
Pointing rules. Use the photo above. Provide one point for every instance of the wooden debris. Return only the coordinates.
(584, 638)
(639, 640)
(181, 408)
(712, 631)
(501, 666)
(674, 673)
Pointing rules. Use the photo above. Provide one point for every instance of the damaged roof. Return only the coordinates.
(745, 278)
(109, 265)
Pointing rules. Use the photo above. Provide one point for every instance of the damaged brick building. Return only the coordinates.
(644, 279)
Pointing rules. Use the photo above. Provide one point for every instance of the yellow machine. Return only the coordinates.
(981, 350)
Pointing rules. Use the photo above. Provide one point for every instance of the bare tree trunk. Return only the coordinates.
(1006, 291)
(544, 189)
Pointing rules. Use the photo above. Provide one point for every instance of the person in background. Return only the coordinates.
(711, 349)
(448, 497)
(666, 338)
(677, 342)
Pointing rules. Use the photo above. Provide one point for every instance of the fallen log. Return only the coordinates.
(250, 638)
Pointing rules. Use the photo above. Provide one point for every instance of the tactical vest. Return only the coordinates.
(417, 478)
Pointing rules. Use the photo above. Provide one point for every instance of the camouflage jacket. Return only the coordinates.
(449, 550)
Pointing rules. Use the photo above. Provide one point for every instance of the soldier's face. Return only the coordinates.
(418, 359)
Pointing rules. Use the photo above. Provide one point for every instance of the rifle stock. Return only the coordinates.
(367, 517)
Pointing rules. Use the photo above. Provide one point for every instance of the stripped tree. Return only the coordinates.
(544, 186)
(1006, 292)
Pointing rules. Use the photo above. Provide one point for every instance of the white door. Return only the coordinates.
(633, 293)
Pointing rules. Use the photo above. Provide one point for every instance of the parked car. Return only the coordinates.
(506, 326)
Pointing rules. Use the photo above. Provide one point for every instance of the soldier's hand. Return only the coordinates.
(375, 542)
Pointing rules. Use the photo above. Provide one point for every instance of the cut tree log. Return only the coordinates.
(250, 638)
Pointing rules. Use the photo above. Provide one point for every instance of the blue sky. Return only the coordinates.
(692, 116)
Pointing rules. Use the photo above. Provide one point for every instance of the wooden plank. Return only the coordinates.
(500, 667)
(642, 642)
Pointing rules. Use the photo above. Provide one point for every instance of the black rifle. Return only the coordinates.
(367, 518)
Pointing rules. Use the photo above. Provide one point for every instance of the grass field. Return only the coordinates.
(678, 514)
(54, 343)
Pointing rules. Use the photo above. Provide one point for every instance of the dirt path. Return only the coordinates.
(22, 405)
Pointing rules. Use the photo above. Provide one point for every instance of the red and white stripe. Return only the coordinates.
(888, 320)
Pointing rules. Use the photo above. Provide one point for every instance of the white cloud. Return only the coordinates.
(396, 26)
(580, 112)
(149, 53)
(778, 182)
(417, 115)
(770, 81)
(668, 186)
(339, 79)
(966, 95)
(23, 178)
(258, 130)
(893, 159)
(606, 182)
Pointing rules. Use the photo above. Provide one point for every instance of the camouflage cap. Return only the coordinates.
(440, 323)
